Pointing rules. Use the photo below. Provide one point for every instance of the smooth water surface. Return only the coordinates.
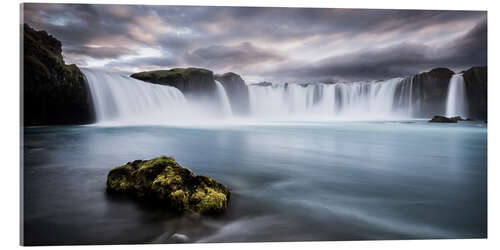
(290, 182)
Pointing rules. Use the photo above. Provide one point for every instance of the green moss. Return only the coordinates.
(178, 187)
(179, 200)
(119, 179)
(209, 201)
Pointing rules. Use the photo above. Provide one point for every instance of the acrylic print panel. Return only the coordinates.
(191, 124)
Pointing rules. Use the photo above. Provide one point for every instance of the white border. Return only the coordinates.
(9, 132)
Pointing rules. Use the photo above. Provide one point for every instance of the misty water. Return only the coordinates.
(290, 181)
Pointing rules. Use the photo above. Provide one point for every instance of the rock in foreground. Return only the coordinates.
(443, 119)
(174, 186)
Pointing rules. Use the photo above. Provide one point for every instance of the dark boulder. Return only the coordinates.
(443, 119)
(432, 90)
(188, 80)
(476, 83)
(177, 188)
(53, 93)
(237, 92)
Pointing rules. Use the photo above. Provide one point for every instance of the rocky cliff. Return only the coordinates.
(187, 80)
(430, 91)
(54, 93)
(237, 92)
(432, 88)
(476, 79)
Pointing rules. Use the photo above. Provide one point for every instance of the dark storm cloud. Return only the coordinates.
(73, 24)
(399, 60)
(395, 61)
(100, 52)
(145, 62)
(470, 49)
(266, 42)
(235, 57)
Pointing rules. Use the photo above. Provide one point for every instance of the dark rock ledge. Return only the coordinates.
(444, 119)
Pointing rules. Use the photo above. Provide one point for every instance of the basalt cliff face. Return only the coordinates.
(476, 84)
(54, 93)
(432, 90)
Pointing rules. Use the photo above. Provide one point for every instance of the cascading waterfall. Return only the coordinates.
(456, 104)
(358, 100)
(123, 100)
(223, 99)
(406, 102)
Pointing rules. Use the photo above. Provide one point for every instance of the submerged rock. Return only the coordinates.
(178, 238)
(443, 119)
(174, 186)
(458, 118)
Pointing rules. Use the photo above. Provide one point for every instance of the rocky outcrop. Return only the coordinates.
(264, 84)
(237, 92)
(188, 80)
(162, 179)
(53, 93)
(443, 119)
(476, 83)
(432, 89)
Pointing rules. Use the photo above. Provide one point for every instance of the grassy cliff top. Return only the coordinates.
(156, 75)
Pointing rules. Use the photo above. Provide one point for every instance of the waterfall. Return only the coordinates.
(358, 100)
(223, 99)
(405, 99)
(456, 104)
(123, 100)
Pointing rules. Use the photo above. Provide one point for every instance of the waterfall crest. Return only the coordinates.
(456, 104)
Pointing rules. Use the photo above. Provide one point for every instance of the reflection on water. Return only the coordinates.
(295, 181)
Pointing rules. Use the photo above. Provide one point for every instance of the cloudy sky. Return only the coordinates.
(277, 44)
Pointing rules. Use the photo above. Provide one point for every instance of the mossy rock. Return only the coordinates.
(174, 186)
